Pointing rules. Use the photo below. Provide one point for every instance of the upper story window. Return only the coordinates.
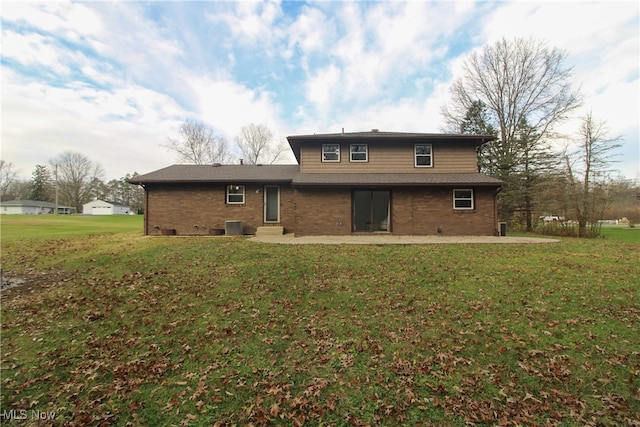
(330, 152)
(359, 153)
(235, 194)
(423, 155)
(463, 199)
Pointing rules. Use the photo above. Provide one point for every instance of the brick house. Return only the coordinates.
(344, 183)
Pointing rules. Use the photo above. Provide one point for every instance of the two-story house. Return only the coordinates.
(344, 183)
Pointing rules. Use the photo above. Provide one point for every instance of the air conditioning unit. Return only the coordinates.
(233, 228)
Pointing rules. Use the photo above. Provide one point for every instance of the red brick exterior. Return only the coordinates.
(322, 211)
(197, 209)
(182, 207)
(422, 211)
(414, 211)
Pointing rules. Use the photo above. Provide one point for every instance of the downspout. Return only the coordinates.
(495, 212)
(146, 211)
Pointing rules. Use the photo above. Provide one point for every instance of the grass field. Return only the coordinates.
(115, 328)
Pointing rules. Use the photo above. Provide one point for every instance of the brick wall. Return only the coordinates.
(421, 211)
(314, 211)
(414, 211)
(185, 206)
(322, 211)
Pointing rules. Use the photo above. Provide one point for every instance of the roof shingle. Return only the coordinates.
(219, 173)
(291, 174)
(396, 179)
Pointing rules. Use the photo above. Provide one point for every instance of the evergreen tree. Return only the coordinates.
(41, 185)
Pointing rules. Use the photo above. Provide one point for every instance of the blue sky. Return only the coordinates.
(114, 80)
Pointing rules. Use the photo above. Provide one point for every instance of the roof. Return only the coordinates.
(291, 174)
(396, 179)
(32, 204)
(219, 173)
(296, 141)
(107, 201)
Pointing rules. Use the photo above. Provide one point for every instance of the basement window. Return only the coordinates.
(235, 194)
(463, 199)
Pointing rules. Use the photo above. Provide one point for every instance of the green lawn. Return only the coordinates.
(46, 227)
(621, 233)
(125, 329)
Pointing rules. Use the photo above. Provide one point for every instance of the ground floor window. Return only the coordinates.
(463, 199)
(371, 210)
(235, 194)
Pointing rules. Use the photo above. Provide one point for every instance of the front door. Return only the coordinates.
(271, 203)
(371, 210)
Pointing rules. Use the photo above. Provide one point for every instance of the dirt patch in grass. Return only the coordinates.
(13, 285)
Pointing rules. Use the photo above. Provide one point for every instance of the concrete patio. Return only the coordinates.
(388, 239)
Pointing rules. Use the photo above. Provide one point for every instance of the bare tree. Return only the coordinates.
(587, 172)
(76, 177)
(198, 144)
(254, 142)
(8, 176)
(518, 82)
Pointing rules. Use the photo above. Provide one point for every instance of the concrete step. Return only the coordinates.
(270, 231)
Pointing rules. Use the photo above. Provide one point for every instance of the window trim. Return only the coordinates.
(470, 198)
(324, 160)
(238, 187)
(415, 156)
(366, 153)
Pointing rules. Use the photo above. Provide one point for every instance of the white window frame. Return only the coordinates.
(324, 153)
(457, 198)
(238, 190)
(365, 152)
(416, 155)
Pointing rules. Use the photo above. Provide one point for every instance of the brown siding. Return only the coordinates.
(185, 206)
(394, 158)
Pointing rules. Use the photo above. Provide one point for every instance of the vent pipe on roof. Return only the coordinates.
(375, 130)
(343, 131)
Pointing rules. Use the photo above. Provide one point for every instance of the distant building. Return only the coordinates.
(104, 207)
(32, 207)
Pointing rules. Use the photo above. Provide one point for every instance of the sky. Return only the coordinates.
(115, 80)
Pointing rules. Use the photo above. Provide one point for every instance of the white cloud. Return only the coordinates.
(249, 22)
(311, 32)
(322, 89)
(120, 129)
(74, 19)
(227, 105)
(33, 50)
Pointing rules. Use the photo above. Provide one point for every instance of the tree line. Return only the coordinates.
(71, 179)
(518, 91)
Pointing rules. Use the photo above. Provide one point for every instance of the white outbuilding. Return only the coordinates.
(104, 207)
(32, 207)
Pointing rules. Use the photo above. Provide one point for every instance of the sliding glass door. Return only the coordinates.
(371, 210)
